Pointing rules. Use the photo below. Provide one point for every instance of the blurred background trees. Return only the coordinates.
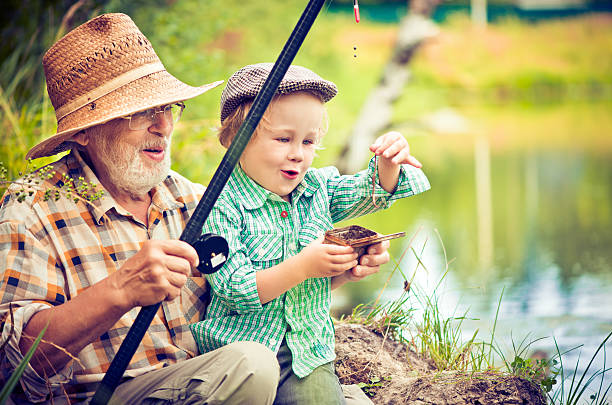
(511, 120)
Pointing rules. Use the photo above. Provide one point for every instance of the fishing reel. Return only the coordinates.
(213, 251)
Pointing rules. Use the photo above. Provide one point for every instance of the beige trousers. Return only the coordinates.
(239, 373)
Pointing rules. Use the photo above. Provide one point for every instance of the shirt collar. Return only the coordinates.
(308, 186)
(255, 196)
(161, 197)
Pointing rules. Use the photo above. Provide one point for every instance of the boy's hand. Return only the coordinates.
(393, 148)
(394, 151)
(320, 259)
(369, 264)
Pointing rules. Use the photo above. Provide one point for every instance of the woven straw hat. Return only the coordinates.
(102, 70)
(246, 83)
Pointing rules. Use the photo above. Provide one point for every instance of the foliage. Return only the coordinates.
(440, 338)
(535, 370)
(580, 383)
(26, 115)
(388, 318)
(542, 371)
(30, 182)
(545, 62)
(374, 382)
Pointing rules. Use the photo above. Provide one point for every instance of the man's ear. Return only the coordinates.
(81, 138)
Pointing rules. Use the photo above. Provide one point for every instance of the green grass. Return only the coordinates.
(416, 319)
(583, 385)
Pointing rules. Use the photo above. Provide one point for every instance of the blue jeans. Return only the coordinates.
(319, 387)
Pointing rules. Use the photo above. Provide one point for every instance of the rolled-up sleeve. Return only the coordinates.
(31, 282)
(351, 196)
(235, 283)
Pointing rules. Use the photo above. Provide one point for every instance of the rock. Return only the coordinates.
(404, 377)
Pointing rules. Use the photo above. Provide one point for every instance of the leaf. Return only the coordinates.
(12, 381)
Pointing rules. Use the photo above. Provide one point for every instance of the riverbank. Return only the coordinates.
(391, 373)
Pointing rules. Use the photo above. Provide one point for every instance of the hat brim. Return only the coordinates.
(150, 91)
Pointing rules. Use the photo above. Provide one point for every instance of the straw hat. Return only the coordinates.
(102, 70)
(246, 83)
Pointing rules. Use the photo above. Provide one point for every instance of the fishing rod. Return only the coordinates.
(192, 232)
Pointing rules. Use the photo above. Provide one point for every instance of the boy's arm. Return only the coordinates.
(392, 151)
(315, 260)
(242, 287)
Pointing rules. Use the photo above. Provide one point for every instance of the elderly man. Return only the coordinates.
(82, 269)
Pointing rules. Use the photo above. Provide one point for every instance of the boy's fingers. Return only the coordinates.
(414, 162)
(339, 250)
(395, 149)
(383, 142)
(344, 258)
(360, 272)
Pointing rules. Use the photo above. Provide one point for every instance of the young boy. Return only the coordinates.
(275, 287)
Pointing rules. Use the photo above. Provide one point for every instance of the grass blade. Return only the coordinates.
(12, 381)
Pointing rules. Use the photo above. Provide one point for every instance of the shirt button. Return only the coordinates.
(272, 341)
(284, 214)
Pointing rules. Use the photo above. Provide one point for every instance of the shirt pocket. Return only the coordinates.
(315, 226)
(264, 250)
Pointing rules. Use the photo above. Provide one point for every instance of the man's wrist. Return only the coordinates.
(116, 297)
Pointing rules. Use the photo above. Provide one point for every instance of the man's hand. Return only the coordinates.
(369, 264)
(156, 273)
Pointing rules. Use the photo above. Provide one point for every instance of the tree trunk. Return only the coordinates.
(375, 115)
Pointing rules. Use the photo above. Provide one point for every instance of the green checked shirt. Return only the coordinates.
(262, 231)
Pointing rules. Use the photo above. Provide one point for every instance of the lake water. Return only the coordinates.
(521, 203)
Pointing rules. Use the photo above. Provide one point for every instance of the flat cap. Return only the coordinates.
(246, 83)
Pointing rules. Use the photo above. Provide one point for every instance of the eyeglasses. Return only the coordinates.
(144, 119)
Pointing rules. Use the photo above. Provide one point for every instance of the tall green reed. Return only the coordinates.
(416, 318)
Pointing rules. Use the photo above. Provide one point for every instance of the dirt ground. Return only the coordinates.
(396, 375)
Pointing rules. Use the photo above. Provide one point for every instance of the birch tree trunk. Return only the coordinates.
(375, 115)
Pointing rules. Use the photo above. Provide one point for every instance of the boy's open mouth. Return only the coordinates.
(290, 173)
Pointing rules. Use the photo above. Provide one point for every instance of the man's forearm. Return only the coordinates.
(71, 327)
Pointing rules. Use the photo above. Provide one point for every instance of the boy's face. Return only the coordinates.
(278, 157)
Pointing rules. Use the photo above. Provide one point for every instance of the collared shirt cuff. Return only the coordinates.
(35, 387)
(246, 298)
(411, 181)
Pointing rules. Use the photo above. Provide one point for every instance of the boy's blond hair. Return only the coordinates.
(230, 125)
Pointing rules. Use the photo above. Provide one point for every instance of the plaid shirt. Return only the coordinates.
(50, 251)
(262, 231)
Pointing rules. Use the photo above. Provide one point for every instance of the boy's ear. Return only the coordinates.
(81, 138)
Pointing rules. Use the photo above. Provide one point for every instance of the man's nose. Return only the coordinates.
(162, 124)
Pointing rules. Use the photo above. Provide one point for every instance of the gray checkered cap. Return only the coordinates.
(246, 83)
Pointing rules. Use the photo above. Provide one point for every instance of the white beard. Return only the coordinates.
(127, 168)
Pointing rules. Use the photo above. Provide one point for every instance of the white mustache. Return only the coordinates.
(161, 144)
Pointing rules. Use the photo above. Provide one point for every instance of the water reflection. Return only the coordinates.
(525, 205)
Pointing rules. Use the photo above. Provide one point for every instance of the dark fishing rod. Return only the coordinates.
(193, 229)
